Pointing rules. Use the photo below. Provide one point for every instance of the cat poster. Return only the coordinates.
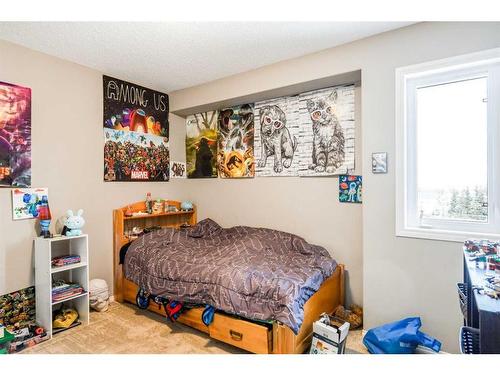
(15, 135)
(201, 145)
(277, 137)
(26, 202)
(177, 169)
(235, 142)
(327, 131)
(350, 189)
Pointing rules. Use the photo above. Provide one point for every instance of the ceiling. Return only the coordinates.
(175, 55)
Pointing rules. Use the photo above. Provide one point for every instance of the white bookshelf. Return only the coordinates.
(45, 250)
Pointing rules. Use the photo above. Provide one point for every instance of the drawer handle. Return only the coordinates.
(236, 336)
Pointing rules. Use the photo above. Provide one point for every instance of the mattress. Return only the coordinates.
(256, 273)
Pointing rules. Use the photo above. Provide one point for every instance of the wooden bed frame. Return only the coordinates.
(245, 334)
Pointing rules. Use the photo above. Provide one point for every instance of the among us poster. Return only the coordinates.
(136, 132)
(15, 136)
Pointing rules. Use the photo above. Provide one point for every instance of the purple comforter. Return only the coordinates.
(255, 273)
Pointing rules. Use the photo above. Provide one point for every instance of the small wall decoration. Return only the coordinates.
(201, 145)
(17, 309)
(277, 137)
(350, 189)
(26, 202)
(15, 136)
(236, 142)
(177, 169)
(327, 131)
(379, 162)
(136, 132)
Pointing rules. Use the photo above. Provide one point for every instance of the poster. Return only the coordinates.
(235, 142)
(177, 169)
(25, 202)
(136, 132)
(350, 189)
(277, 137)
(327, 131)
(15, 136)
(201, 145)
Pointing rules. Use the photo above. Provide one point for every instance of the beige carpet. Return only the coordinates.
(125, 329)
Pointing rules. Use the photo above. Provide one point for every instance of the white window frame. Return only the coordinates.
(408, 80)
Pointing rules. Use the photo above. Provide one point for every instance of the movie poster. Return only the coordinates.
(136, 132)
(235, 142)
(327, 131)
(201, 145)
(15, 136)
(277, 137)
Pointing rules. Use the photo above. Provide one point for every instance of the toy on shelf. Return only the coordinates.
(149, 203)
(158, 206)
(64, 318)
(186, 206)
(73, 224)
(44, 216)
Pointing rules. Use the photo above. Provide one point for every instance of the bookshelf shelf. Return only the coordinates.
(45, 250)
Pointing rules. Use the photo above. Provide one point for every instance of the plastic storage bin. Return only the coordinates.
(463, 298)
(469, 340)
(5, 342)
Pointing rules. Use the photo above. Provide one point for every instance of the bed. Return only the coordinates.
(267, 286)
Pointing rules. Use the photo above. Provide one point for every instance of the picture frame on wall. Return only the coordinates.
(379, 162)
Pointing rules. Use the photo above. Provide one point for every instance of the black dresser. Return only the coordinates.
(481, 331)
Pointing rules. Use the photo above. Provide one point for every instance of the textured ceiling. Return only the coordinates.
(172, 56)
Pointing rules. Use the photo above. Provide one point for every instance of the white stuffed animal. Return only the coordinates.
(74, 224)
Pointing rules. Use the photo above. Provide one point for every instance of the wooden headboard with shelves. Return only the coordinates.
(123, 224)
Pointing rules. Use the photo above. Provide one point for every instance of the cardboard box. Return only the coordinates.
(329, 338)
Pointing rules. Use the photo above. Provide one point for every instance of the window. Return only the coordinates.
(448, 148)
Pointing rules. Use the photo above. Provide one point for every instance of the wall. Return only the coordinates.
(307, 206)
(67, 157)
(401, 276)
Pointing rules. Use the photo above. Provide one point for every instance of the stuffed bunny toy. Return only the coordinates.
(74, 223)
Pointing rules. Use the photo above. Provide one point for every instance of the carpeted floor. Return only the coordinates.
(124, 329)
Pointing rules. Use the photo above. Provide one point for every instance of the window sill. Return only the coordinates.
(444, 235)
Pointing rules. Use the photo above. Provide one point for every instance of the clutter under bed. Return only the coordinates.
(255, 273)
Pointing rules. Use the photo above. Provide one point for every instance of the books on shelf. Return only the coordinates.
(63, 290)
(65, 260)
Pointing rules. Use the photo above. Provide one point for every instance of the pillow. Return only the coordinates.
(206, 227)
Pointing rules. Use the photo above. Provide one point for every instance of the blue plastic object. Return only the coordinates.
(142, 299)
(208, 315)
(400, 337)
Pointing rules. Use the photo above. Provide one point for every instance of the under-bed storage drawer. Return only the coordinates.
(250, 336)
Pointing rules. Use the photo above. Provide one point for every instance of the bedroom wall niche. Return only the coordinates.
(308, 207)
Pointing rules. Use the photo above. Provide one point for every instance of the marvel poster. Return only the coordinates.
(136, 132)
(15, 136)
